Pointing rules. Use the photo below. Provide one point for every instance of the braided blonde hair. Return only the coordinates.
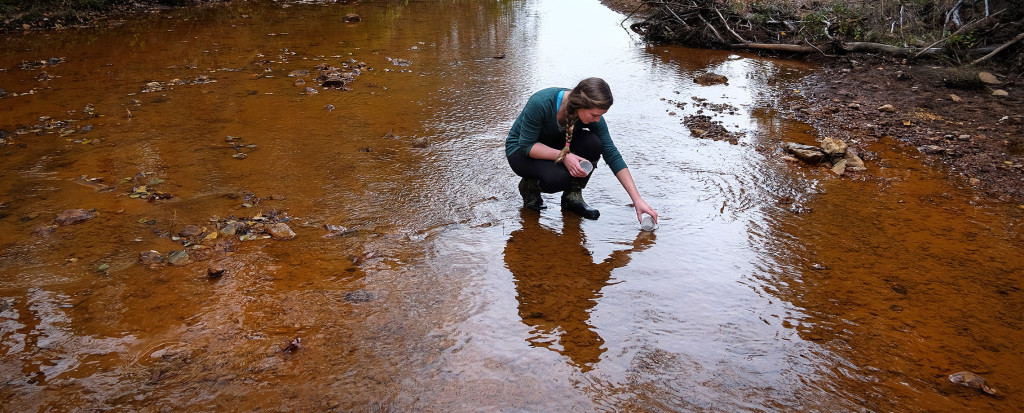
(590, 93)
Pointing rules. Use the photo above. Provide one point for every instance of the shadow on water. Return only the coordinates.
(414, 281)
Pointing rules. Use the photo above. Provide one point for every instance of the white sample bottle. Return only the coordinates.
(587, 166)
(646, 222)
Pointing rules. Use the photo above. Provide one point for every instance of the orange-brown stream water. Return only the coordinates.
(769, 286)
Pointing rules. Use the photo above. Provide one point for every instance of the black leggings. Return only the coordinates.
(553, 176)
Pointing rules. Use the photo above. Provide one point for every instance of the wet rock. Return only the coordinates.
(708, 79)
(150, 258)
(334, 80)
(44, 230)
(292, 346)
(887, 108)
(420, 143)
(311, 91)
(359, 296)
(299, 73)
(190, 231)
(988, 78)
(74, 216)
(806, 153)
(974, 381)
(300, 82)
(399, 62)
(280, 231)
(153, 87)
(178, 258)
(276, 197)
(351, 18)
(43, 76)
(931, 149)
(229, 229)
(833, 147)
(840, 167)
(853, 161)
(215, 270)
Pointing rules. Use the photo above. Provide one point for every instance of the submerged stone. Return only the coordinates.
(280, 231)
(74, 216)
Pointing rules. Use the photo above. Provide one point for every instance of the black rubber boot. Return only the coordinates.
(572, 199)
(529, 188)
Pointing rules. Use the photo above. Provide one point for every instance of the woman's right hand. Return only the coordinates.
(572, 163)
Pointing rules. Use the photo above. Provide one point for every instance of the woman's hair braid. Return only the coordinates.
(590, 93)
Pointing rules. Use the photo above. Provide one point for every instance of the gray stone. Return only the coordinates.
(229, 229)
(806, 153)
(74, 216)
(150, 257)
(178, 258)
(189, 231)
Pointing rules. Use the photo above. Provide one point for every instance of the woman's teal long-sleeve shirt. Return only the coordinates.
(539, 121)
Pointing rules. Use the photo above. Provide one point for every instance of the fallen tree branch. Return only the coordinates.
(954, 13)
(816, 48)
(792, 48)
(669, 9)
(999, 49)
(726, 24)
(877, 48)
(969, 26)
(719, 36)
(849, 47)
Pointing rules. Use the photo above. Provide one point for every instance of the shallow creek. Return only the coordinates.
(415, 282)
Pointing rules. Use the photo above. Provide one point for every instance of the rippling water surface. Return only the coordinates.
(768, 286)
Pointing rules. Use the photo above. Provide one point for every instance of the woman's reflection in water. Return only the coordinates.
(558, 284)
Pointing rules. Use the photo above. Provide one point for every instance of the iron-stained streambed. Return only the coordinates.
(414, 281)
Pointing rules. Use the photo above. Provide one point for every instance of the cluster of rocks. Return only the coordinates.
(39, 64)
(832, 152)
(159, 86)
(331, 77)
(704, 127)
(64, 127)
(143, 187)
(964, 118)
(201, 243)
(65, 218)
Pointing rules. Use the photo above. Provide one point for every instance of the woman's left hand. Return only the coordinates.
(643, 208)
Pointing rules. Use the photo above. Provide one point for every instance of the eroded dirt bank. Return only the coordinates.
(944, 113)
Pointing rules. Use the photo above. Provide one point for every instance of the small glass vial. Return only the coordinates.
(647, 222)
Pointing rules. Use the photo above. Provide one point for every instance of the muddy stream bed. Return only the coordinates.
(381, 226)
